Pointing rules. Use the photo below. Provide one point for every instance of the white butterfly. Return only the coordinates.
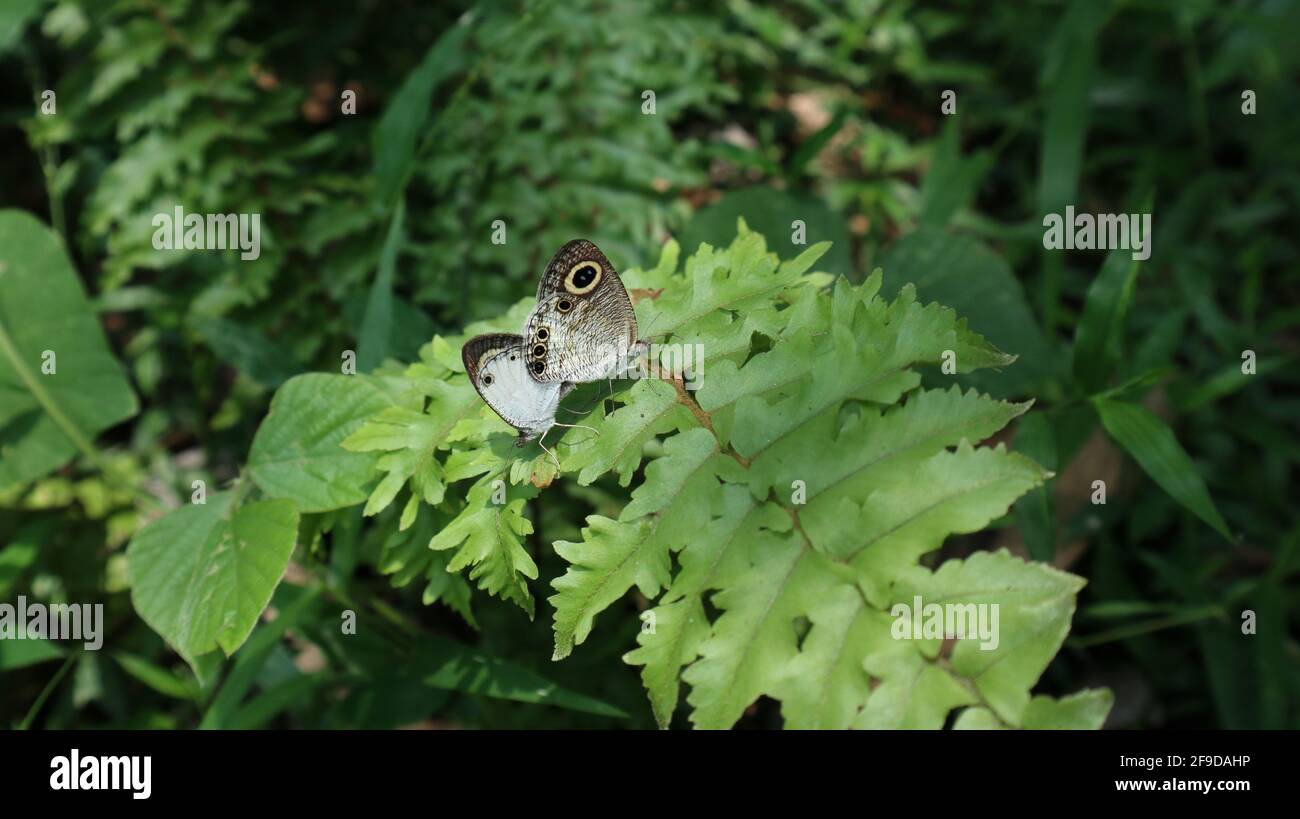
(496, 366)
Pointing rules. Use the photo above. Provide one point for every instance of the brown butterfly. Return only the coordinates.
(583, 325)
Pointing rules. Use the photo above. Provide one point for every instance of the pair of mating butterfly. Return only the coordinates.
(582, 329)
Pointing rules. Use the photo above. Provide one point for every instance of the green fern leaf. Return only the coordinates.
(837, 458)
(733, 280)
(405, 556)
(411, 436)
(1035, 603)
(1083, 711)
(671, 641)
(652, 409)
(754, 640)
(914, 510)
(672, 505)
(799, 488)
(827, 683)
(488, 538)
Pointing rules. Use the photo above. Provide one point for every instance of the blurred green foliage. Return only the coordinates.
(377, 233)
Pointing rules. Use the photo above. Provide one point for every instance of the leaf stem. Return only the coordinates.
(684, 398)
(48, 690)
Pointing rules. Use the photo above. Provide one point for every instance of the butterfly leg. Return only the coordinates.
(610, 383)
(554, 459)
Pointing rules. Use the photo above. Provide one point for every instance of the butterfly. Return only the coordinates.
(495, 364)
(583, 326)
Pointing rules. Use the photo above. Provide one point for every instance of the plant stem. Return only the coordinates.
(1125, 632)
(50, 168)
(48, 690)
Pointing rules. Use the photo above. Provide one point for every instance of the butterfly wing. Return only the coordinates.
(583, 322)
(495, 365)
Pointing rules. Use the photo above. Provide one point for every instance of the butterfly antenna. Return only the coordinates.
(577, 426)
(649, 330)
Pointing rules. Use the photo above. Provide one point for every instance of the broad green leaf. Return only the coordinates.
(679, 624)
(1152, 444)
(850, 643)
(1083, 711)
(871, 348)
(670, 639)
(202, 575)
(782, 365)
(610, 559)
(59, 383)
(296, 453)
(874, 442)
(754, 640)
(719, 550)
(680, 486)
(827, 684)
(293, 605)
(411, 437)
(913, 693)
(978, 719)
(735, 279)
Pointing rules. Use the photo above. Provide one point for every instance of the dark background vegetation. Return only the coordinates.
(822, 111)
